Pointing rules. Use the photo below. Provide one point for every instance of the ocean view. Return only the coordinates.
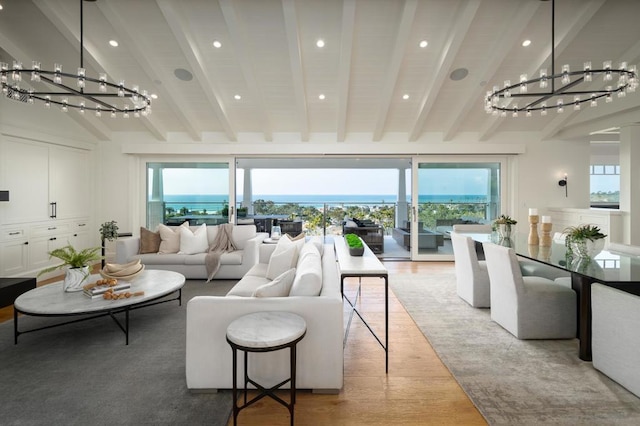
(213, 201)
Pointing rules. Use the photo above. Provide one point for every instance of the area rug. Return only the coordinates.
(511, 381)
(84, 373)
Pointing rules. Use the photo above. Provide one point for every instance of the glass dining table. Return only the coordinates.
(613, 269)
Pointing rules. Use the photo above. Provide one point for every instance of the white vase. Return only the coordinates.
(586, 247)
(75, 278)
(504, 230)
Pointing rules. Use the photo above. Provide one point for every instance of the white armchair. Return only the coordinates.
(472, 278)
(528, 307)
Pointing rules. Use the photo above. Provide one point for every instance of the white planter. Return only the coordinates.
(587, 248)
(75, 278)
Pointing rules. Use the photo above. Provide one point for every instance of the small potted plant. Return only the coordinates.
(584, 240)
(356, 247)
(77, 263)
(503, 226)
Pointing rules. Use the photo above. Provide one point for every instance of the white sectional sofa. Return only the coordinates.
(233, 265)
(314, 294)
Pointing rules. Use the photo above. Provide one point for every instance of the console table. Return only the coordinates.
(367, 265)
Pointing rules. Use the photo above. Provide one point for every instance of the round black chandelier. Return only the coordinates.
(562, 88)
(78, 91)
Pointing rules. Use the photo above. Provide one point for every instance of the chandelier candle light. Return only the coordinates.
(504, 101)
(73, 90)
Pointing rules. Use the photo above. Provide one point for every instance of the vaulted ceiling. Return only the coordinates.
(371, 59)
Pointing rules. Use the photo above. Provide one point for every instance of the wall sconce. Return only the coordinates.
(563, 182)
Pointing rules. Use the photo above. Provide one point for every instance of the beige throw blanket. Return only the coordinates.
(222, 243)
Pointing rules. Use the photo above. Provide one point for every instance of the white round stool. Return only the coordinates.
(265, 332)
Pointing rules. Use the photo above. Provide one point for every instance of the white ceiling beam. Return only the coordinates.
(402, 38)
(168, 92)
(581, 20)
(459, 29)
(185, 39)
(245, 58)
(510, 34)
(53, 11)
(344, 66)
(297, 72)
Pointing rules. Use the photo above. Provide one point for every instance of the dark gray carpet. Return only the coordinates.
(511, 381)
(83, 373)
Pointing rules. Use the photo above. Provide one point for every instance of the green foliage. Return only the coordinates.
(109, 231)
(505, 220)
(584, 232)
(73, 258)
(353, 240)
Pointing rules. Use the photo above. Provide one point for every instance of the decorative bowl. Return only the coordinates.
(127, 277)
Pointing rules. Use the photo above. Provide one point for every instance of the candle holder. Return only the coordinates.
(545, 253)
(545, 238)
(533, 230)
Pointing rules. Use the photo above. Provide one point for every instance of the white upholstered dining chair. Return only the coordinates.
(472, 279)
(472, 227)
(528, 307)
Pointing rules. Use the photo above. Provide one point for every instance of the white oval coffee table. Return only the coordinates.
(51, 301)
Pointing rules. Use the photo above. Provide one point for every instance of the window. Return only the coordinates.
(193, 192)
(605, 185)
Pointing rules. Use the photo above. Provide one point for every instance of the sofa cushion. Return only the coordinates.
(170, 238)
(317, 241)
(242, 234)
(282, 259)
(149, 241)
(247, 286)
(259, 270)
(279, 287)
(308, 280)
(162, 259)
(192, 242)
(229, 258)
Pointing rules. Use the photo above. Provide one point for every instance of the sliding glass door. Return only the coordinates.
(449, 191)
(191, 192)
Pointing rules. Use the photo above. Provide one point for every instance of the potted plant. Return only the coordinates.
(108, 232)
(77, 263)
(503, 226)
(584, 240)
(356, 247)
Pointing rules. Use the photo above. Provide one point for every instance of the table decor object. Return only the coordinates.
(584, 240)
(545, 228)
(77, 262)
(503, 226)
(533, 227)
(356, 247)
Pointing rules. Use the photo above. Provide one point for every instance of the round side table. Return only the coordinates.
(265, 332)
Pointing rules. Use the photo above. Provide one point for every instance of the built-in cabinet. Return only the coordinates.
(49, 206)
(608, 220)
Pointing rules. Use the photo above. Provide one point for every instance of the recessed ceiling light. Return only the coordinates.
(237, 97)
(0, 7)
(526, 43)
(321, 96)
(154, 96)
(217, 44)
(405, 96)
(113, 43)
(320, 43)
(423, 43)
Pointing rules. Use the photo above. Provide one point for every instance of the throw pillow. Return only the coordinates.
(281, 260)
(149, 241)
(279, 287)
(170, 238)
(308, 279)
(193, 242)
(300, 236)
(317, 241)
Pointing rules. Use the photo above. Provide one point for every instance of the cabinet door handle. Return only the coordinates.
(82, 224)
(53, 228)
(54, 210)
(75, 235)
(52, 239)
(26, 243)
(14, 233)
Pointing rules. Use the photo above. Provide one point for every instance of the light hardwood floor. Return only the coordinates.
(418, 390)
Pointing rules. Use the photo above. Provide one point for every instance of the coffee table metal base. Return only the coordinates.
(107, 312)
